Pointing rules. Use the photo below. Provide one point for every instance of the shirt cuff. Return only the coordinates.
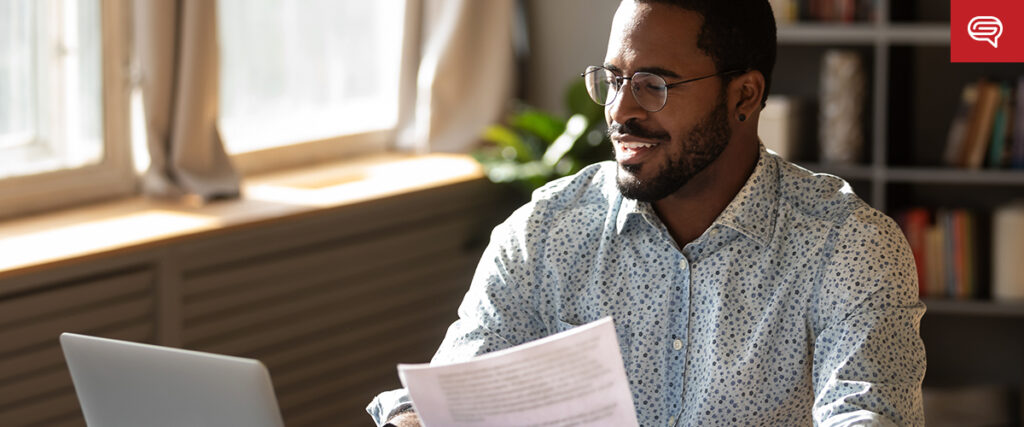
(388, 404)
(858, 419)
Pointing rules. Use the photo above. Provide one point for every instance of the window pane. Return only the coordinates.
(295, 71)
(50, 85)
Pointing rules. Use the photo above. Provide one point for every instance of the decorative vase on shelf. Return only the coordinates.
(841, 129)
(1007, 247)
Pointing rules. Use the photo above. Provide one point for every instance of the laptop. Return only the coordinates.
(121, 383)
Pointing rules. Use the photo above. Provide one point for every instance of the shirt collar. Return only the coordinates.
(752, 212)
(754, 209)
(632, 207)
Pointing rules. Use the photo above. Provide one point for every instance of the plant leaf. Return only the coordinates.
(505, 137)
(578, 102)
(543, 125)
(575, 128)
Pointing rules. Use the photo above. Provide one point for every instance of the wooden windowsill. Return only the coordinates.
(48, 240)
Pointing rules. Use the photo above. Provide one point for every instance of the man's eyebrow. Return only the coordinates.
(659, 71)
(612, 67)
(664, 72)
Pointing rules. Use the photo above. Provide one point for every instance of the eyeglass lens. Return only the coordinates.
(648, 89)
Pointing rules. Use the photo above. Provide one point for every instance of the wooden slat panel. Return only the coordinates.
(12, 340)
(70, 419)
(56, 379)
(66, 273)
(372, 219)
(50, 373)
(342, 405)
(337, 402)
(283, 274)
(353, 353)
(338, 383)
(64, 298)
(390, 288)
(39, 410)
(379, 328)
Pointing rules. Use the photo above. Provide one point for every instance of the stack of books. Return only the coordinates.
(790, 11)
(945, 243)
(988, 128)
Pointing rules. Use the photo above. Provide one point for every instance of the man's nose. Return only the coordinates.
(625, 107)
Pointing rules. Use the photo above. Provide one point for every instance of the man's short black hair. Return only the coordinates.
(736, 34)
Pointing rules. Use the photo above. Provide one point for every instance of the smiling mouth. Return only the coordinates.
(636, 145)
(632, 152)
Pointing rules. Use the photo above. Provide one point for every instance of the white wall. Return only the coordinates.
(565, 37)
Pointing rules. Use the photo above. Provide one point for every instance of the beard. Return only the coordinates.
(703, 144)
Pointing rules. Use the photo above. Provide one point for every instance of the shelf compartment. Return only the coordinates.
(924, 93)
(791, 78)
(982, 308)
(949, 193)
(955, 176)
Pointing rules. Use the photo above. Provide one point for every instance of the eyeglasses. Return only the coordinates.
(649, 90)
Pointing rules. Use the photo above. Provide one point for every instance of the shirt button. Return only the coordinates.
(683, 264)
(677, 344)
(714, 231)
(671, 421)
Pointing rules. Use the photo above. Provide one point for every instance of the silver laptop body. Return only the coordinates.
(122, 383)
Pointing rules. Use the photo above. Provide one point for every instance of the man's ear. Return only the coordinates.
(745, 93)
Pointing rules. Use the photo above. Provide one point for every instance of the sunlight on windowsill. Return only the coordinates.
(76, 235)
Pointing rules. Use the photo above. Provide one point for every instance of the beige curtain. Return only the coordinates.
(464, 75)
(176, 46)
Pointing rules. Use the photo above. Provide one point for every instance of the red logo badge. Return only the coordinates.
(986, 31)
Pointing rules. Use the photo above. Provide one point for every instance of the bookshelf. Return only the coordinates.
(913, 92)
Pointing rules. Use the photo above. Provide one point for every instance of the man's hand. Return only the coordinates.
(406, 419)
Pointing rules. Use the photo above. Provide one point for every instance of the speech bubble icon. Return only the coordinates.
(985, 29)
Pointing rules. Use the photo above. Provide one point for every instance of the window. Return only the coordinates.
(50, 78)
(59, 138)
(315, 70)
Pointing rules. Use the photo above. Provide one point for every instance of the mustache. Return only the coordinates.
(633, 127)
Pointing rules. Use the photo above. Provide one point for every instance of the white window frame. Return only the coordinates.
(113, 176)
(347, 146)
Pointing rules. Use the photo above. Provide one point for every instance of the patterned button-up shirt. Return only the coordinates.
(798, 306)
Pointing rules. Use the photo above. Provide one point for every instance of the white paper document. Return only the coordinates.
(573, 378)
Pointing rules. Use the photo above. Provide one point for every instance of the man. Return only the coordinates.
(744, 289)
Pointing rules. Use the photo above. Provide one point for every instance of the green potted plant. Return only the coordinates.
(532, 147)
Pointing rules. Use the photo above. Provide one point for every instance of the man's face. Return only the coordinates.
(657, 153)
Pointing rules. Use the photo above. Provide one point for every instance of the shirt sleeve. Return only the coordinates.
(498, 312)
(493, 315)
(869, 359)
(388, 404)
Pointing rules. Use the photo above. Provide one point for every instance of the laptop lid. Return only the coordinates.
(122, 383)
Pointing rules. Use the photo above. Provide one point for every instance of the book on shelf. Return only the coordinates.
(1016, 150)
(979, 131)
(944, 244)
(915, 223)
(997, 145)
(987, 129)
(958, 127)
